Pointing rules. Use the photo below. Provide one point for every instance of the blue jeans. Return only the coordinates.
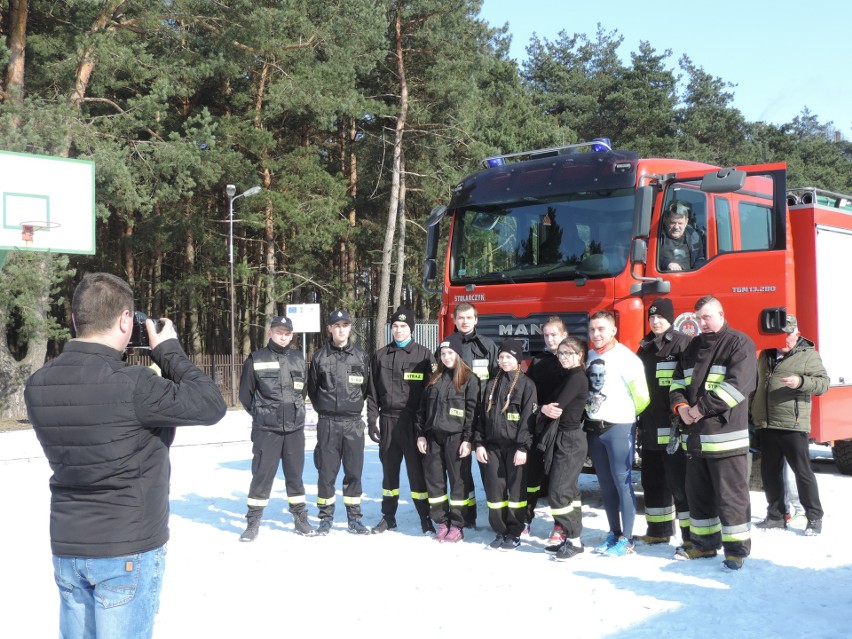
(110, 597)
(612, 455)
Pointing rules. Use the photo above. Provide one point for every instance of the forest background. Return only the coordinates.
(355, 117)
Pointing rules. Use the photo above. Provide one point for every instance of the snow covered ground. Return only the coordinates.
(404, 584)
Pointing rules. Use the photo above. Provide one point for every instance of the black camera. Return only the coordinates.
(139, 336)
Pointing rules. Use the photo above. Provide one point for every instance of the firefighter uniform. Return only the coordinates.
(445, 418)
(480, 353)
(716, 373)
(398, 375)
(272, 390)
(337, 386)
(503, 429)
(546, 373)
(663, 475)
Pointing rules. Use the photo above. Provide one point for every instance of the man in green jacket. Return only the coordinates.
(781, 411)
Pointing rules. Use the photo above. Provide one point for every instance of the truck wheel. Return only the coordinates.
(842, 451)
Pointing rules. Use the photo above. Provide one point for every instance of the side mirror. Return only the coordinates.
(642, 211)
(639, 251)
(430, 271)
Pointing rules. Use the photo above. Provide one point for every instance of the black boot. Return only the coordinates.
(355, 525)
(302, 525)
(422, 507)
(253, 517)
(388, 522)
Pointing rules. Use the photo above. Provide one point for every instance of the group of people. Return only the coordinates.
(106, 429)
(687, 400)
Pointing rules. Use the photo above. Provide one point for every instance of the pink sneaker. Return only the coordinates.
(442, 532)
(455, 534)
(558, 535)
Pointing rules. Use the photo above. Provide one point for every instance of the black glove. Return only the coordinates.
(373, 432)
(674, 434)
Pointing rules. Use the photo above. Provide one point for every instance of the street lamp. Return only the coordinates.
(231, 190)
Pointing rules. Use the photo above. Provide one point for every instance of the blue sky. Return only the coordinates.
(782, 55)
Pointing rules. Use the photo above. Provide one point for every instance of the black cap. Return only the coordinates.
(514, 347)
(403, 314)
(340, 315)
(663, 307)
(454, 341)
(284, 322)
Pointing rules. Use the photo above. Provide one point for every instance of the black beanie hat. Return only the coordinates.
(454, 341)
(514, 347)
(662, 306)
(403, 314)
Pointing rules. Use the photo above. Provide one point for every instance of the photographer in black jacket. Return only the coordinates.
(106, 428)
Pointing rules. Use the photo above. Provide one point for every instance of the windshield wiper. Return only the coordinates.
(497, 275)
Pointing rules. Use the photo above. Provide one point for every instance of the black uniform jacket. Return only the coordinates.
(273, 388)
(337, 380)
(398, 375)
(106, 430)
(512, 426)
(546, 373)
(480, 353)
(717, 372)
(445, 409)
(659, 356)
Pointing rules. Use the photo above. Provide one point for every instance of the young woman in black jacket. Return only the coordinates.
(502, 440)
(567, 446)
(444, 426)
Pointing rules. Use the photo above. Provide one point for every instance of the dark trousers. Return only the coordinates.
(440, 462)
(719, 504)
(339, 440)
(664, 485)
(612, 454)
(569, 454)
(398, 443)
(268, 449)
(776, 445)
(505, 490)
(536, 480)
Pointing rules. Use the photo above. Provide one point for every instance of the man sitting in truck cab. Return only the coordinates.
(681, 247)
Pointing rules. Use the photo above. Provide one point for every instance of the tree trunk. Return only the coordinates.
(193, 341)
(384, 285)
(400, 243)
(13, 87)
(269, 252)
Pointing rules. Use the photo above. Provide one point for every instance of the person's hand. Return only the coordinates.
(481, 455)
(792, 381)
(464, 450)
(674, 266)
(373, 432)
(683, 411)
(167, 332)
(421, 444)
(520, 457)
(695, 413)
(552, 410)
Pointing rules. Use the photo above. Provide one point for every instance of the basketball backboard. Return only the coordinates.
(46, 204)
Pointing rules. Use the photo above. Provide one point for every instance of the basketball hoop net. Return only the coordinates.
(28, 229)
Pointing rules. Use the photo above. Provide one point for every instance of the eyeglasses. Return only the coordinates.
(566, 354)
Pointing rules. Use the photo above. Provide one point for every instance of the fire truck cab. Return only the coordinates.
(572, 230)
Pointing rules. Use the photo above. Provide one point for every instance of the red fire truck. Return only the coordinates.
(572, 230)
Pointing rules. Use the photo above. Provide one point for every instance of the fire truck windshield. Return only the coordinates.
(581, 235)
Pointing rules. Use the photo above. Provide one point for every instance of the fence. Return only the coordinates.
(219, 366)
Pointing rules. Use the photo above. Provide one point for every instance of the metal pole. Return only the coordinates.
(231, 260)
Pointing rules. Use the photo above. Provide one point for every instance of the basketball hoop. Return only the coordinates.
(28, 229)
